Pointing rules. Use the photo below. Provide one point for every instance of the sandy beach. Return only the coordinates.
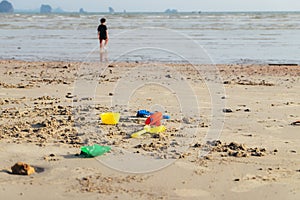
(50, 109)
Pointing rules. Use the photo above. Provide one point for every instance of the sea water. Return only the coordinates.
(246, 37)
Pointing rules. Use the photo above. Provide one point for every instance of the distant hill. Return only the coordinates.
(171, 11)
(81, 10)
(6, 7)
(45, 9)
(111, 10)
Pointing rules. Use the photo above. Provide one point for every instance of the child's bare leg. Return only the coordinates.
(101, 44)
(106, 42)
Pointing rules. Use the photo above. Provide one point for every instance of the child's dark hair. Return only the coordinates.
(102, 20)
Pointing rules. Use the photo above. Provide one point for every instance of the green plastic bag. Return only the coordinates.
(93, 151)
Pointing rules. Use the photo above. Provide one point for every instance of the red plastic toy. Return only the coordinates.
(154, 119)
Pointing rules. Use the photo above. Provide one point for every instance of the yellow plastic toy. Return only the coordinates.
(149, 129)
(110, 118)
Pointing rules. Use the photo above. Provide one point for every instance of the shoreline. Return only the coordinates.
(241, 62)
(257, 152)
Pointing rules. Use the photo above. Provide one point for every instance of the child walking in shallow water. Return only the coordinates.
(102, 34)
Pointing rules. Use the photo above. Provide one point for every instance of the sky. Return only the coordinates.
(162, 5)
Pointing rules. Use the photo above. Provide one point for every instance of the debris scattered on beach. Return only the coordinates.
(296, 123)
(227, 110)
(235, 149)
(69, 95)
(21, 168)
(51, 157)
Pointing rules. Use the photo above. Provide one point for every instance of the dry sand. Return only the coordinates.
(50, 109)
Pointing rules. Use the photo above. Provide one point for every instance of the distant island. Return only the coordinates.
(82, 11)
(6, 7)
(45, 9)
(171, 11)
(111, 10)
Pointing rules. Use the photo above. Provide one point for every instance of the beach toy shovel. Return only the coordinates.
(110, 118)
(149, 129)
(93, 151)
(154, 119)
